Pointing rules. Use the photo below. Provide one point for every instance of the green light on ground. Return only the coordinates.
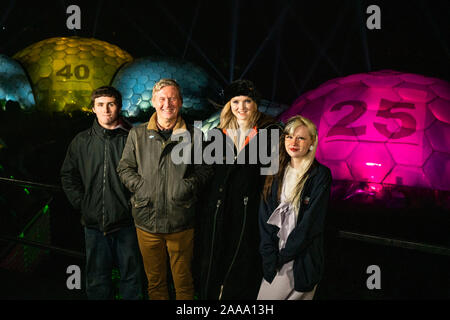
(21, 235)
(26, 191)
(11, 177)
(45, 209)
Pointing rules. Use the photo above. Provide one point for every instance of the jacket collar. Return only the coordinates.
(179, 125)
(123, 127)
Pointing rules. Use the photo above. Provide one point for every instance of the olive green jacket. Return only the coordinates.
(164, 192)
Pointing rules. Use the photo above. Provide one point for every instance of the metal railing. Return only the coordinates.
(423, 247)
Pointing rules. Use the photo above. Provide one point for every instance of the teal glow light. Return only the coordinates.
(14, 83)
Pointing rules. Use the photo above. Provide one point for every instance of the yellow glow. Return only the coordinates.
(65, 70)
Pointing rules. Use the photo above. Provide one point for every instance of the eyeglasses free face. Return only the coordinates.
(167, 103)
(243, 107)
(298, 143)
(107, 111)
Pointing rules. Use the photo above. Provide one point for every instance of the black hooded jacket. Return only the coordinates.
(90, 180)
(229, 265)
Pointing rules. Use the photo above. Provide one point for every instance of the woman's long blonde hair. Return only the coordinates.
(229, 121)
(291, 125)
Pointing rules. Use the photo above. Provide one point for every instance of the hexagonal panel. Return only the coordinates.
(417, 78)
(339, 169)
(414, 92)
(14, 83)
(370, 162)
(410, 154)
(440, 109)
(437, 169)
(381, 81)
(141, 75)
(397, 120)
(310, 109)
(439, 136)
(441, 89)
(407, 176)
(72, 65)
(337, 150)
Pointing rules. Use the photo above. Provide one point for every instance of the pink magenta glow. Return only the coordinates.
(382, 127)
(375, 187)
(371, 164)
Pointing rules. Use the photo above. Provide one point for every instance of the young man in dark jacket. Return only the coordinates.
(92, 186)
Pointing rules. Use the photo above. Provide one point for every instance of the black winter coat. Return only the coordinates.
(306, 241)
(90, 180)
(227, 245)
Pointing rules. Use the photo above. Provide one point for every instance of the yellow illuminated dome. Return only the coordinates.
(65, 70)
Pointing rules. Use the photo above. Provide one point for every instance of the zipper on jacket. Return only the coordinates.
(104, 185)
(166, 193)
(237, 248)
(219, 202)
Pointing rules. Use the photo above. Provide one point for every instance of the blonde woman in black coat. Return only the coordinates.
(230, 264)
(292, 217)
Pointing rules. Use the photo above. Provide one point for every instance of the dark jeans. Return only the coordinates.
(120, 247)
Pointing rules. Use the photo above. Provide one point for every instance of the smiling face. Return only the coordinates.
(107, 111)
(243, 108)
(298, 143)
(167, 103)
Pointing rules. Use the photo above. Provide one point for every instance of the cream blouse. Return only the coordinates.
(291, 177)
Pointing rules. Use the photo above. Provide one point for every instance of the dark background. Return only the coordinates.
(286, 48)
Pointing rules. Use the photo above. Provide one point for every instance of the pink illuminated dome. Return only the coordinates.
(384, 127)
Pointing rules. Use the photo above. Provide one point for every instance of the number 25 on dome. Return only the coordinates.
(386, 107)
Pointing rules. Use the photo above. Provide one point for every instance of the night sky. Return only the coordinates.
(285, 47)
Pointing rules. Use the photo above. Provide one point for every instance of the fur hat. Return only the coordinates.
(242, 88)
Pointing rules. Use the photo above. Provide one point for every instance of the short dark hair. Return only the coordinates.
(106, 91)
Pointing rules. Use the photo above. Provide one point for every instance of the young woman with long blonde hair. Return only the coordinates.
(230, 266)
(292, 217)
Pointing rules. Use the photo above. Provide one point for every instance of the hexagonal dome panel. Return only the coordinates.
(141, 75)
(14, 84)
(401, 152)
(408, 176)
(370, 162)
(398, 121)
(437, 169)
(439, 136)
(72, 65)
(440, 109)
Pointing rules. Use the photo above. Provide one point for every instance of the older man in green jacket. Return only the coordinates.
(164, 191)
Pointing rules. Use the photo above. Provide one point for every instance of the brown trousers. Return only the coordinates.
(153, 248)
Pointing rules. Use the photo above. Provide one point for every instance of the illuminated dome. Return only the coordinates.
(14, 84)
(382, 127)
(65, 70)
(211, 122)
(136, 79)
